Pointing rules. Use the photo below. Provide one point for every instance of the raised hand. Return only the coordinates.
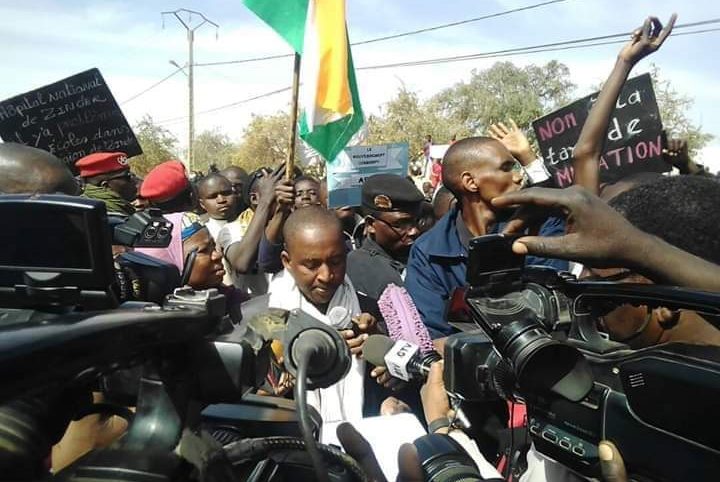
(597, 235)
(676, 154)
(646, 39)
(515, 141)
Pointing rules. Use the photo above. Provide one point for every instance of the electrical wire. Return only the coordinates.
(556, 46)
(394, 36)
(152, 86)
(531, 48)
(305, 421)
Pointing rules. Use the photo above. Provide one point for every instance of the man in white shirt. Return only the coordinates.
(314, 281)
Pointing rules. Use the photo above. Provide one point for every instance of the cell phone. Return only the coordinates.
(491, 258)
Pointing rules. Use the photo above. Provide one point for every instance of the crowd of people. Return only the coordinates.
(267, 239)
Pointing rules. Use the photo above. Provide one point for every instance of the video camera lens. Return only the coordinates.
(538, 361)
(150, 232)
(444, 460)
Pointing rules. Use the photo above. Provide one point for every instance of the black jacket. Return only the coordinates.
(371, 269)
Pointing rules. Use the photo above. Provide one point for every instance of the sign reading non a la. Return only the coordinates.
(70, 118)
(634, 135)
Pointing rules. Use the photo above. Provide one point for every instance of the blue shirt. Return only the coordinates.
(438, 264)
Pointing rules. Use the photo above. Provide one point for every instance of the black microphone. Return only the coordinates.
(403, 359)
(310, 341)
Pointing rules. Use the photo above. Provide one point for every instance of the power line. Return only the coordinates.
(556, 46)
(151, 87)
(394, 36)
(517, 50)
(227, 106)
(455, 24)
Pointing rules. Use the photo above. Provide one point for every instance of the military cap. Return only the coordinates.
(390, 192)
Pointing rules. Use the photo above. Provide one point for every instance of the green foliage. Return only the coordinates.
(504, 91)
(158, 145)
(468, 108)
(212, 148)
(265, 142)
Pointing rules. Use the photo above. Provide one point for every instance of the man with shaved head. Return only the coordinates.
(314, 281)
(25, 169)
(475, 170)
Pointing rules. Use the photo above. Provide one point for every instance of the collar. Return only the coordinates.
(464, 234)
(371, 246)
(450, 237)
(443, 240)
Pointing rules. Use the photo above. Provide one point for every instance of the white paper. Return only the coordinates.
(385, 434)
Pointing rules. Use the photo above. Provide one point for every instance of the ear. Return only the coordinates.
(468, 182)
(202, 204)
(285, 257)
(369, 225)
(104, 183)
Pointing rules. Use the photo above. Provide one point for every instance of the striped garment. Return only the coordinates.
(330, 111)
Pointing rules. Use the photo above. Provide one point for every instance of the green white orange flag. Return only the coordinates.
(330, 111)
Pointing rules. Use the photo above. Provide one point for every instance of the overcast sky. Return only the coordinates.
(44, 41)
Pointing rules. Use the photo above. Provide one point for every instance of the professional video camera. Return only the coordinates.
(63, 330)
(539, 343)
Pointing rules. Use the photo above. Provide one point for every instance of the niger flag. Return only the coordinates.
(330, 111)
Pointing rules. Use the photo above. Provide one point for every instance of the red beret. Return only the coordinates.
(165, 181)
(102, 163)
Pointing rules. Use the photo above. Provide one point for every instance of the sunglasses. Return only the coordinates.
(400, 228)
(123, 175)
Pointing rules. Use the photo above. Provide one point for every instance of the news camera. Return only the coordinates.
(64, 333)
(539, 343)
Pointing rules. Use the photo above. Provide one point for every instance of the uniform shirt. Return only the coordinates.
(438, 265)
(371, 269)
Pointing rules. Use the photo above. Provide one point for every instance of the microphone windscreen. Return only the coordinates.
(402, 318)
(375, 348)
(339, 318)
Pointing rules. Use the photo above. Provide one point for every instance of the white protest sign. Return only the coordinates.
(349, 170)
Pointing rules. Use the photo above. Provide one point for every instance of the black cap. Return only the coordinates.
(390, 192)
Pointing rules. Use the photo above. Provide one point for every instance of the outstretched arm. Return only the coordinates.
(599, 236)
(588, 149)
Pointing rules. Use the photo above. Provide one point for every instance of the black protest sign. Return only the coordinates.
(634, 136)
(70, 118)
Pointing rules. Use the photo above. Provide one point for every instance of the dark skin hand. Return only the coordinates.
(242, 255)
(366, 324)
(600, 237)
(435, 404)
(284, 202)
(515, 141)
(586, 156)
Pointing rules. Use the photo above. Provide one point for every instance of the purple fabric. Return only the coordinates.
(402, 318)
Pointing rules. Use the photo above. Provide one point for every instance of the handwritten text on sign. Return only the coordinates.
(634, 136)
(70, 118)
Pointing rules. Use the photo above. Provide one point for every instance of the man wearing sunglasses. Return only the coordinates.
(391, 205)
(107, 178)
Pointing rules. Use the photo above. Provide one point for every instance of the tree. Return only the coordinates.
(505, 91)
(673, 108)
(468, 108)
(213, 148)
(406, 119)
(158, 145)
(265, 142)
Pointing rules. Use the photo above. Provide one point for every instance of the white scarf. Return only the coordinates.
(342, 402)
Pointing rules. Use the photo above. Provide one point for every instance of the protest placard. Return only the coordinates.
(349, 170)
(70, 118)
(634, 138)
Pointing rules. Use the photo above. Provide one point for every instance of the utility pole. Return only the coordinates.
(191, 62)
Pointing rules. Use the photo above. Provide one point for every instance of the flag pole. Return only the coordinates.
(290, 161)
